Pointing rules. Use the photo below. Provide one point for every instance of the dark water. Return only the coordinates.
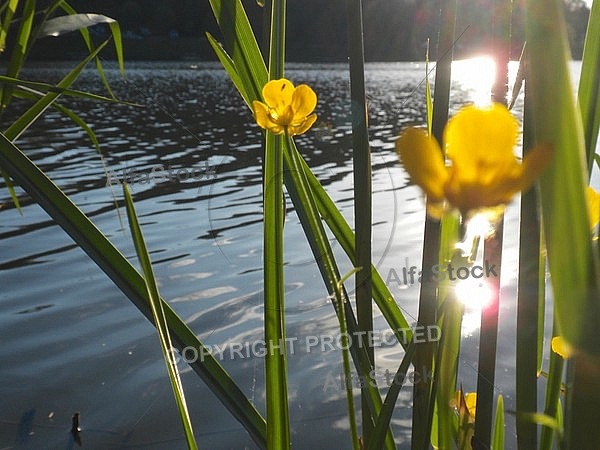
(70, 341)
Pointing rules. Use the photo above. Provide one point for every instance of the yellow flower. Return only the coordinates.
(484, 172)
(560, 347)
(287, 109)
(593, 201)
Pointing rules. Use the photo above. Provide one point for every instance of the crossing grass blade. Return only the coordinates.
(160, 320)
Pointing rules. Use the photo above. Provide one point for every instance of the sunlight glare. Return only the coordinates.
(474, 294)
(476, 77)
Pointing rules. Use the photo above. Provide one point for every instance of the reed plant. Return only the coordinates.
(559, 133)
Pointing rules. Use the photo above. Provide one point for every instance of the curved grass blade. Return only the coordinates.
(129, 281)
(71, 22)
(85, 34)
(160, 321)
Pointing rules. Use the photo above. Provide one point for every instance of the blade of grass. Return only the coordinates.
(498, 437)
(553, 390)
(589, 85)
(573, 263)
(346, 341)
(385, 415)
(529, 299)
(66, 214)
(361, 158)
(422, 417)
(10, 8)
(486, 368)
(160, 321)
(19, 50)
(278, 422)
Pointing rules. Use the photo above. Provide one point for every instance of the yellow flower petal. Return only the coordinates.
(286, 107)
(471, 401)
(560, 347)
(593, 201)
(304, 101)
(480, 142)
(278, 95)
(304, 126)
(422, 159)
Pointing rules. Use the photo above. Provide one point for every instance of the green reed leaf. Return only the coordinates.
(589, 85)
(498, 437)
(160, 320)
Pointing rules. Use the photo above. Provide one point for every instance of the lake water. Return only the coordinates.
(70, 341)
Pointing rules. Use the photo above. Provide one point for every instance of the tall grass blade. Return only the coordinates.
(66, 214)
(278, 422)
(361, 158)
(486, 369)
(160, 321)
(589, 85)
(498, 436)
(385, 415)
(9, 9)
(572, 261)
(422, 417)
(553, 391)
(530, 296)
(17, 56)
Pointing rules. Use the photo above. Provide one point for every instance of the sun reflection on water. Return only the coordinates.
(476, 77)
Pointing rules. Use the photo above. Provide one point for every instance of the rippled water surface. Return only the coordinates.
(70, 341)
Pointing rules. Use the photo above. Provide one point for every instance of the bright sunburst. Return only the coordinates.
(476, 77)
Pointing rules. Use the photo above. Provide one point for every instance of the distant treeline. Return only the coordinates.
(394, 30)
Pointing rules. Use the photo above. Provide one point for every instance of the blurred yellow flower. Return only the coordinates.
(560, 347)
(465, 405)
(593, 201)
(484, 172)
(287, 109)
